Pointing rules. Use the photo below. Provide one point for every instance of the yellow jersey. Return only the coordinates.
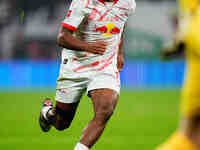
(188, 6)
(189, 31)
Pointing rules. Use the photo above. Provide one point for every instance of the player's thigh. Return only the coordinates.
(104, 101)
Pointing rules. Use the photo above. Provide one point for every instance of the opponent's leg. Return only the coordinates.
(104, 102)
(190, 126)
(187, 137)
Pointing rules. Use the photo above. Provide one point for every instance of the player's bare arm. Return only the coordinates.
(66, 39)
(120, 57)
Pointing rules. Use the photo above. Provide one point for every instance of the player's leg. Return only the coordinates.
(104, 103)
(63, 113)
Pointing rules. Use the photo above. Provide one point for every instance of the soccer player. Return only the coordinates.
(92, 38)
(187, 40)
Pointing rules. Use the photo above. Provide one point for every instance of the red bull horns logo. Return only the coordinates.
(108, 30)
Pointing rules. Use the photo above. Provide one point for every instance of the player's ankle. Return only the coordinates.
(46, 111)
(51, 113)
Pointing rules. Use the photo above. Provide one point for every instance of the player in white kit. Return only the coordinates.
(91, 36)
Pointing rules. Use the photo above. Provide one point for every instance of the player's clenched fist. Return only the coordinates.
(98, 47)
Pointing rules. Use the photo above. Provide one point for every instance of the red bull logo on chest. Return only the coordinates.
(108, 30)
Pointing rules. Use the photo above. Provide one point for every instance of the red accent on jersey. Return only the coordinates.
(117, 77)
(69, 27)
(102, 1)
(93, 14)
(115, 30)
(108, 59)
(78, 57)
(69, 13)
(106, 62)
(105, 14)
(96, 63)
(104, 66)
(125, 14)
(101, 29)
(62, 91)
(88, 2)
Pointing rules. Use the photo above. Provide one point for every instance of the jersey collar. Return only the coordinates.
(102, 1)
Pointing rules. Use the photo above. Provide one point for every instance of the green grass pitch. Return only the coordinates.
(142, 120)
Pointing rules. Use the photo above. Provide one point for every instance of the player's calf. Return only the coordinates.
(60, 116)
(62, 120)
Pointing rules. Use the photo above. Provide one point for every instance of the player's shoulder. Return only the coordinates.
(129, 4)
(80, 3)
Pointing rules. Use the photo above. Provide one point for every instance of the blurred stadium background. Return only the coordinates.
(29, 64)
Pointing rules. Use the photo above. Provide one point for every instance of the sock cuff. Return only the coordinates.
(45, 110)
(80, 146)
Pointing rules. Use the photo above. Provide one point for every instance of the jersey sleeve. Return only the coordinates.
(132, 5)
(75, 15)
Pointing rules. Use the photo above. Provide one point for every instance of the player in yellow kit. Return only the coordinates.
(187, 39)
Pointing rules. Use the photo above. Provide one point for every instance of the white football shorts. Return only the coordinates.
(71, 85)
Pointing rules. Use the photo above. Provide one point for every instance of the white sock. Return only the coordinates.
(80, 146)
(45, 110)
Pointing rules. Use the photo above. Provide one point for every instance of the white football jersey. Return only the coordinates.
(97, 20)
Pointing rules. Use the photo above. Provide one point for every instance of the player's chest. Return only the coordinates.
(109, 13)
(108, 20)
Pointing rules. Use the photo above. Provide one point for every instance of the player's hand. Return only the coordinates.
(120, 62)
(98, 47)
(172, 50)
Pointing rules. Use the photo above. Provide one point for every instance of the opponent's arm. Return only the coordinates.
(176, 47)
(172, 50)
(65, 39)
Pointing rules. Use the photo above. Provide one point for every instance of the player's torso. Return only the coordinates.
(103, 21)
